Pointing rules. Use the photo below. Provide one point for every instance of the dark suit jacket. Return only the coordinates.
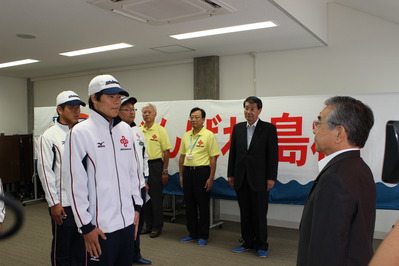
(259, 162)
(338, 218)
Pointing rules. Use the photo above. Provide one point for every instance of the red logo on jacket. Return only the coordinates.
(124, 141)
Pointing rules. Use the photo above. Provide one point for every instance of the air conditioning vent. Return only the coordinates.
(159, 12)
(213, 4)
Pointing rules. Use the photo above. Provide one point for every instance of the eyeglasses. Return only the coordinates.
(129, 110)
(316, 123)
(195, 117)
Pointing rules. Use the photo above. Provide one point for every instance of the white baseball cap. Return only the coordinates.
(106, 84)
(69, 98)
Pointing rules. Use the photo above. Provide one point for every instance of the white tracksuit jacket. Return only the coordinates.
(49, 163)
(101, 169)
(2, 208)
(141, 154)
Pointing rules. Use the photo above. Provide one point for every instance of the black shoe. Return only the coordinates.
(142, 261)
(145, 231)
(155, 234)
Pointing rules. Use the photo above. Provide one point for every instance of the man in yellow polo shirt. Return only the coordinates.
(197, 165)
(158, 146)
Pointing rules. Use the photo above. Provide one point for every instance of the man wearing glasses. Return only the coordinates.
(338, 219)
(127, 113)
(197, 165)
(158, 146)
(252, 172)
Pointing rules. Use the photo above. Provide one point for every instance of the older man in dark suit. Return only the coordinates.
(252, 172)
(338, 218)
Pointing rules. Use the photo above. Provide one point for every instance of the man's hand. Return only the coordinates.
(136, 223)
(92, 243)
(165, 178)
(209, 184)
(57, 213)
(270, 184)
(231, 181)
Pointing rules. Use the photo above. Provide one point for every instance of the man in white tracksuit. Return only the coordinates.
(101, 170)
(127, 113)
(67, 244)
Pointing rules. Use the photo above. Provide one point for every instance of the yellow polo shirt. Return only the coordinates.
(157, 141)
(203, 146)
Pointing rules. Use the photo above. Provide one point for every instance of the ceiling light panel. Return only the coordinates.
(18, 63)
(246, 27)
(98, 49)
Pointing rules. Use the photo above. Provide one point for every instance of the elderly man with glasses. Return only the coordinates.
(338, 219)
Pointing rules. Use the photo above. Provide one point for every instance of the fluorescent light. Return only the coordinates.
(253, 26)
(97, 49)
(19, 62)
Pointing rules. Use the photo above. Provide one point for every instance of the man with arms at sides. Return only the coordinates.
(252, 172)
(197, 166)
(127, 113)
(338, 219)
(158, 146)
(67, 244)
(102, 172)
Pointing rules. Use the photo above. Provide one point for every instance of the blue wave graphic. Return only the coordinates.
(387, 197)
(295, 193)
(292, 193)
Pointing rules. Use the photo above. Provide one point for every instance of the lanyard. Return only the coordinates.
(193, 145)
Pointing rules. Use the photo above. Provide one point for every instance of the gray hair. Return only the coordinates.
(149, 105)
(356, 117)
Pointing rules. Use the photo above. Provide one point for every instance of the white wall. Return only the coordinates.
(237, 77)
(361, 57)
(13, 104)
(156, 82)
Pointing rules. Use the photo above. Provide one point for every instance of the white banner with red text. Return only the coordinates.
(293, 117)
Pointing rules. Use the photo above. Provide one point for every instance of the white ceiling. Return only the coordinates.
(65, 25)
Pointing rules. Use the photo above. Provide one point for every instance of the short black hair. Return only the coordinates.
(254, 99)
(203, 114)
(97, 96)
(62, 106)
